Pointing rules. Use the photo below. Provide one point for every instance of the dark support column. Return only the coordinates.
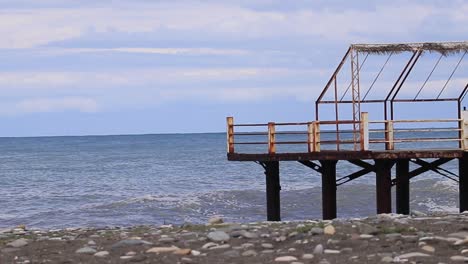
(463, 182)
(384, 185)
(273, 188)
(402, 187)
(329, 189)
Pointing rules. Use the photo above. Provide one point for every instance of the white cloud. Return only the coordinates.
(26, 28)
(48, 105)
(167, 51)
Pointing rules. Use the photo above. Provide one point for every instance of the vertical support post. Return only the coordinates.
(464, 130)
(463, 182)
(402, 187)
(271, 138)
(384, 185)
(329, 189)
(356, 95)
(273, 188)
(230, 134)
(310, 137)
(389, 135)
(364, 131)
(316, 136)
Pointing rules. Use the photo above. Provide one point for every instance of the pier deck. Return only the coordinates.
(384, 147)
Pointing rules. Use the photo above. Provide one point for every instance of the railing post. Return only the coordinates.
(271, 138)
(310, 137)
(316, 129)
(389, 136)
(364, 131)
(464, 132)
(230, 134)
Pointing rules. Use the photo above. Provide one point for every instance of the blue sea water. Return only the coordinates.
(52, 182)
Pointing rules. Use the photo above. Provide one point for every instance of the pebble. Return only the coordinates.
(195, 253)
(215, 220)
(225, 246)
(412, 255)
(209, 245)
(186, 260)
(329, 230)
(18, 243)
(316, 231)
(267, 245)
(249, 253)
(459, 258)
(387, 259)
(231, 254)
(162, 249)
(101, 254)
(365, 236)
(218, 236)
(130, 242)
(183, 251)
(285, 259)
(318, 249)
(307, 256)
(86, 250)
(428, 248)
(331, 251)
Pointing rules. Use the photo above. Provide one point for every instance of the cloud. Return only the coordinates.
(139, 50)
(49, 105)
(27, 28)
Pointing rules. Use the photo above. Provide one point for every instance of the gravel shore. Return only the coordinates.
(386, 238)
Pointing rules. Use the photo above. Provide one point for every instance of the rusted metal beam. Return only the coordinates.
(312, 165)
(273, 189)
(441, 171)
(230, 134)
(349, 155)
(383, 168)
(353, 176)
(328, 189)
(463, 184)
(337, 70)
(402, 187)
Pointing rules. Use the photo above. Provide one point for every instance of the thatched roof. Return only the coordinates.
(444, 48)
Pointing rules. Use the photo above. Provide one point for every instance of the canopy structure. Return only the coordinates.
(358, 54)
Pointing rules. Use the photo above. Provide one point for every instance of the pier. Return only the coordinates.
(367, 131)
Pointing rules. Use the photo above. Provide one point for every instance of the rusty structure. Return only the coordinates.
(384, 146)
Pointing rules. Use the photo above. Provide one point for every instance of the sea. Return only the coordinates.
(128, 180)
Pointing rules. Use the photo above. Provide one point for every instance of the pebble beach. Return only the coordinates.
(385, 238)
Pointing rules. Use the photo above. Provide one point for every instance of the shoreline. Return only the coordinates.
(386, 238)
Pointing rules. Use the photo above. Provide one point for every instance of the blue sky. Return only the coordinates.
(129, 67)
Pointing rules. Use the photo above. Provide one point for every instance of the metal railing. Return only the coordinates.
(316, 136)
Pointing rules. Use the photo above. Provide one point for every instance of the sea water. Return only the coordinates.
(53, 182)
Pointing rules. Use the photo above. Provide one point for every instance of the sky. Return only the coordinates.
(91, 67)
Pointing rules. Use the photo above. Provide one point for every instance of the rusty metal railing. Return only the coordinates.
(315, 133)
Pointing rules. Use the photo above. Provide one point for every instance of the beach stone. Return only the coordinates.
(316, 231)
(459, 258)
(183, 251)
(268, 251)
(231, 254)
(417, 213)
(86, 250)
(331, 251)
(428, 248)
(209, 245)
(101, 254)
(267, 245)
(387, 259)
(329, 230)
(130, 242)
(365, 236)
(461, 235)
(250, 253)
(464, 251)
(318, 249)
(18, 243)
(215, 220)
(167, 240)
(307, 256)
(162, 249)
(285, 259)
(249, 235)
(247, 245)
(195, 253)
(218, 236)
(186, 260)
(225, 246)
(412, 255)
(367, 229)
